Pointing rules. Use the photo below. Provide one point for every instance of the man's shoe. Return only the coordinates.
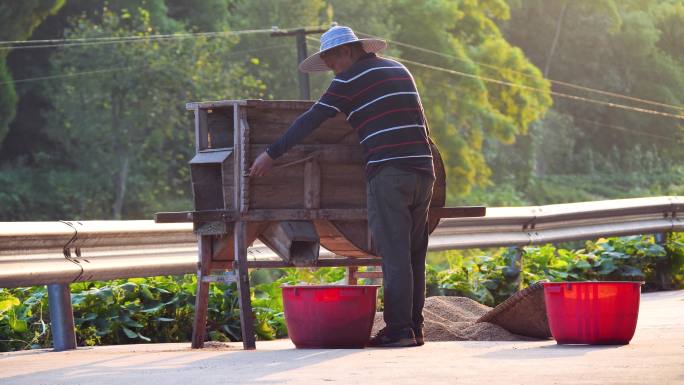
(418, 332)
(387, 338)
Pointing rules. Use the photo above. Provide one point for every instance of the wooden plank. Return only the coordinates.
(328, 153)
(326, 134)
(303, 214)
(312, 185)
(213, 104)
(278, 104)
(296, 214)
(272, 124)
(228, 173)
(223, 245)
(352, 253)
(355, 231)
(458, 212)
(351, 275)
(198, 130)
(327, 262)
(206, 186)
(439, 188)
(368, 274)
(335, 241)
(278, 174)
(277, 192)
(237, 160)
(343, 186)
(246, 319)
(202, 295)
(265, 215)
(173, 217)
(245, 162)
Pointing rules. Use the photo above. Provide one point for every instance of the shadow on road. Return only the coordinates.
(86, 365)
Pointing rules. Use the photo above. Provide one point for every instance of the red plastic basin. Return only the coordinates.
(597, 313)
(329, 316)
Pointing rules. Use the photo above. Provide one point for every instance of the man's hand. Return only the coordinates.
(262, 165)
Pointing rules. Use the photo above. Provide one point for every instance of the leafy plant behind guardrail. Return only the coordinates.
(156, 309)
(161, 309)
(491, 278)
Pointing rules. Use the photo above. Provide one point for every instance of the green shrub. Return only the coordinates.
(156, 309)
(492, 277)
(161, 309)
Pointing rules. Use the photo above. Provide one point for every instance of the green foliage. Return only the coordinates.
(491, 278)
(115, 143)
(463, 111)
(119, 145)
(18, 20)
(134, 309)
(640, 56)
(156, 309)
(161, 309)
(21, 318)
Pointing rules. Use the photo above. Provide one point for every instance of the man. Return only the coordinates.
(380, 100)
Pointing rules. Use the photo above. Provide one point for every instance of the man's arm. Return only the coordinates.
(300, 128)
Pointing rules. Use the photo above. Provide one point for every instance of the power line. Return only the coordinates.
(625, 129)
(566, 84)
(52, 43)
(124, 68)
(300, 43)
(555, 93)
(573, 97)
(68, 75)
(108, 38)
(131, 39)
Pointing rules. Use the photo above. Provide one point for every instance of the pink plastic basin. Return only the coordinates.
(600, 313)
(329, 316)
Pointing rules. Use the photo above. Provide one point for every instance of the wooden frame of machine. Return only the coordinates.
(315, 196)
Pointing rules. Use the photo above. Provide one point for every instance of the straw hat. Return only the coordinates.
(335, 37)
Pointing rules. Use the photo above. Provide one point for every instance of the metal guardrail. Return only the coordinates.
(59, 253)
(538, 225)
(40, 253)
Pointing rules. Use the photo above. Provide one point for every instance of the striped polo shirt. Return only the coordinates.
(380, 100)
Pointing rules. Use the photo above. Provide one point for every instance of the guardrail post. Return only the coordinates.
(61, 317)
(662, 268)
(514, 269)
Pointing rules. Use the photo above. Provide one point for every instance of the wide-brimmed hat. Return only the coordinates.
(335, 37)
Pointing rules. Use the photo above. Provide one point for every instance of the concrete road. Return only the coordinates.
(655, 356)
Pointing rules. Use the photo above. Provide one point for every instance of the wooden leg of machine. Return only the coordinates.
(199, 326)
(351, 275)
(246, 318)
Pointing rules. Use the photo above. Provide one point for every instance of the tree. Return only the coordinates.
(465, 110)
(631, 62)
(90, 156)
(125, 134)
(18, 21)
(462, 111)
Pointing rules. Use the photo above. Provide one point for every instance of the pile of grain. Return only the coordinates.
(453, 319)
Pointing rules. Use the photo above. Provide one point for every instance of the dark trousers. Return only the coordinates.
(398, 204)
